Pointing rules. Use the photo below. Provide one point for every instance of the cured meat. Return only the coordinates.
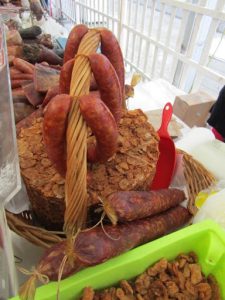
(108, 83)
(54, 131)
(32, 95)
(132, 205)
(52, 92)
(103, 126)
(111, 49)
(73, 42)
(45, 77)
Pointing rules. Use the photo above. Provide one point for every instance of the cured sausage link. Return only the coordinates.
(65, 76)
(94, 246)
(73, 42)
(54, 131)
(133, 205)
(111, 49)
(103, 126)
(51, 93)
(108, 83)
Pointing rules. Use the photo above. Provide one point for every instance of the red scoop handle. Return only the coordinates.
(166, 117)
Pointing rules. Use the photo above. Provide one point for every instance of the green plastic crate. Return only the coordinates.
(206, 239)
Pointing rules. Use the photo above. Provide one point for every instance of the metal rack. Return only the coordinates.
(170, 39)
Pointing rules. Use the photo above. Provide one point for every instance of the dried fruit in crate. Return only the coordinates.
(164, 280)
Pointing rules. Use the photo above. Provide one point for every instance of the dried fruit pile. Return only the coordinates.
(134, 164)
(181, 279)
(131, 168)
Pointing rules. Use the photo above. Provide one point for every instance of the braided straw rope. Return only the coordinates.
(76, 177)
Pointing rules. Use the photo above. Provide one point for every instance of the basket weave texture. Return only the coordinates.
(196, 175)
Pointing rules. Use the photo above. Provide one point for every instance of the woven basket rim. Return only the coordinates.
(35, 234)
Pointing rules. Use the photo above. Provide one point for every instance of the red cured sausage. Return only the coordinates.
(73, 42)
(94, 246)
(65, 76)
(108, 83)
(54, 131)
(111, 49)
(133, 205)
(103, 125)
(52, 92)
(93, 84)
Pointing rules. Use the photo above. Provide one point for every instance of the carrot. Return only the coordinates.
(14, 70)
(18, 83)
(22, 76)
(23, 66)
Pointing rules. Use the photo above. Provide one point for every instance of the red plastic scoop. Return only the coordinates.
(166, 162)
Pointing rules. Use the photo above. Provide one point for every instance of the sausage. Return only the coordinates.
(111, 49)
(133, 205)
(54, 131)
(108, 83)
(13, 71)
(51, 93)
(73, 42)
(93, 84)
(93, 247)
(103, 125)
(23, 65)
(65, 76)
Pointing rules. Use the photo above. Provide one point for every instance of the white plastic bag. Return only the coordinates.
(213, 208)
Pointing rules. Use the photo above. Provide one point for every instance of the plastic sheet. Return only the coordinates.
(9, 173)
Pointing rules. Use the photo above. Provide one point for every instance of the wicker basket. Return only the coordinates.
(197, 178)
(25, 224)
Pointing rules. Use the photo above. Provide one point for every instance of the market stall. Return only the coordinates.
(101, 178)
